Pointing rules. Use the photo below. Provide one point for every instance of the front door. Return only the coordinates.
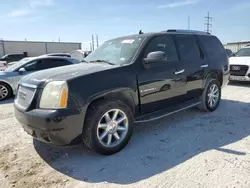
(162, 84)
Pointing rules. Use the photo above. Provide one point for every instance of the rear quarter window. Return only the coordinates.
(213, 46)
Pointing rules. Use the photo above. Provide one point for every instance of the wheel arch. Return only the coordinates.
(214, 74)
(126, 95)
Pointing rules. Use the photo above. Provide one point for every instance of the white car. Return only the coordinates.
(239, 65)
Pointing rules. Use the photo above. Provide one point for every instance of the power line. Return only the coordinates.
(208, 23)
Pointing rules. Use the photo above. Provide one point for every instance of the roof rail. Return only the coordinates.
(187, 31)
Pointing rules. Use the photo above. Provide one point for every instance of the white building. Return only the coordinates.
(36, 48)
(236, 46)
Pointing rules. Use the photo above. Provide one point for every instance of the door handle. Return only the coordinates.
(179, 72)
(204, 66)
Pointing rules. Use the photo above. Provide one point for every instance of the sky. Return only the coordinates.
(77, 20)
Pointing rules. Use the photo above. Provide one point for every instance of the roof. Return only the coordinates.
(171, 31)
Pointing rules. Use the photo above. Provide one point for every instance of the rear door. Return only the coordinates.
(193, 59)
(161, 84)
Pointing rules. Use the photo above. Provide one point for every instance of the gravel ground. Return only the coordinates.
(188, 149)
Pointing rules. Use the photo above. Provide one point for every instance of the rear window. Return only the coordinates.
(212, 46)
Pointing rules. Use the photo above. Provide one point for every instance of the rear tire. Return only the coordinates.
(5, 91)
(211, 96)
(108, 127)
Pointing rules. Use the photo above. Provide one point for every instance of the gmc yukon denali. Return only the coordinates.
(126, 80)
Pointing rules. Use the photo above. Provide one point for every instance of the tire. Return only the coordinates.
(5, 91)
(96, 126)
(205, 99)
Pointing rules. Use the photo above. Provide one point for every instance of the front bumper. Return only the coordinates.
(240, 78)
(58, 127)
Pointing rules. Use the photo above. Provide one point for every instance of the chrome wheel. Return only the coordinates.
(112, 128)
(3, 92)
(213, 95)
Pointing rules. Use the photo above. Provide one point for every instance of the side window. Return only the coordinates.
(32, 66)
(188, 48)
(165, 44)
(52, 63)
(212, 46)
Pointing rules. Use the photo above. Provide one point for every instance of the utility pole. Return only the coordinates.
(59, 40)
(90, 47)
(93, 43)
(97, 43)
(188, 22)
(208, 23)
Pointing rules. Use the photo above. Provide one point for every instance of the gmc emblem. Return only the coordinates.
(235, 68)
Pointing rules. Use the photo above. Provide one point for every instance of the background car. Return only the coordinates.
(8, 58)
(239, 65)
(10, 77)
(58, 54)
(229, 52)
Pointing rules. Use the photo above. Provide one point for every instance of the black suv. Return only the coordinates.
(126, 80)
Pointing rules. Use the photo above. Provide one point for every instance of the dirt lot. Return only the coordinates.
(188, 149)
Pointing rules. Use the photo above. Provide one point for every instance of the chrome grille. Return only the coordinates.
(25, 96)
(238, 70)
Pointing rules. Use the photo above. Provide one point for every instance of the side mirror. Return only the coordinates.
(155, 57)
(21, 70)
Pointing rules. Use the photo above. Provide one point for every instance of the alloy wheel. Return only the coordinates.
(213, 95)
(112, 128)
(3, 92)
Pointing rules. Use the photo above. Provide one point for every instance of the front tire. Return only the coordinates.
(5, 91)
(108, 127)
(211, 96)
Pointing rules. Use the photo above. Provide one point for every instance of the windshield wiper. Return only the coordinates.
(103, 61)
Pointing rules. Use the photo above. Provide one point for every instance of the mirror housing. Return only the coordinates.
(155, 57)
(21, 70)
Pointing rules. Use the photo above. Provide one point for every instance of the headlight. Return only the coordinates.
(55, 95)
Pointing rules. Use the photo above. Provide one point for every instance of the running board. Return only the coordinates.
(166, 112)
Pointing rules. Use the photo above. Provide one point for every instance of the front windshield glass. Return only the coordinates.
(117, 51)
(243, 52)
(4, 57)
(17, 64)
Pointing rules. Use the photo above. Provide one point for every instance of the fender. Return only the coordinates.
(127, 95)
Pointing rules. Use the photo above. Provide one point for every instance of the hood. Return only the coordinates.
(65, 72)
(239, 61)
(6, 74)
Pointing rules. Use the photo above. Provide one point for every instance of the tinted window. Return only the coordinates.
(165, 44)
(244, 52)
(188, 47)
(212, 46)
(31, 66)
(52, 63)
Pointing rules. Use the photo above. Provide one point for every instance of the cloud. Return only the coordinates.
(31, 6)
(17, 13)
(240, 7)
(178, 4)
(39, 3)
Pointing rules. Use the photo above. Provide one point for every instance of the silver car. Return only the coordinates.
(9, 78)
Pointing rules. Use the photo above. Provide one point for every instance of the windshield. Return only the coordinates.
(17, 64)
(117, 51)
(243, 52)
(4, 57)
